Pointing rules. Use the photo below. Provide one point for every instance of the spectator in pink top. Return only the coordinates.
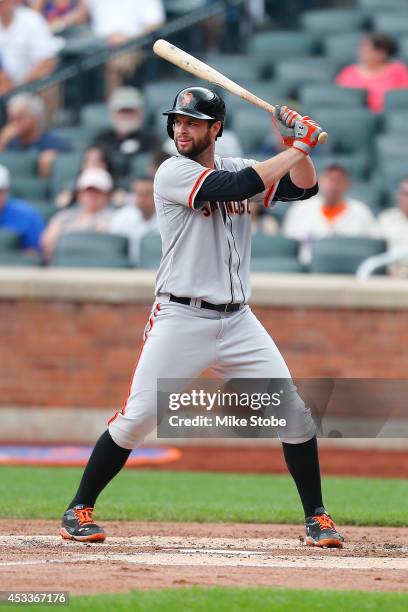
(375, 72)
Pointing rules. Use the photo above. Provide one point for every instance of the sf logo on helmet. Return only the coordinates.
(186, 99)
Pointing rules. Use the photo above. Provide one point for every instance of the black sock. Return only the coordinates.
(106, 460)
(303, 464)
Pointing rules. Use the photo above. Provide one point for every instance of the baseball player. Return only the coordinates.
(200, 317)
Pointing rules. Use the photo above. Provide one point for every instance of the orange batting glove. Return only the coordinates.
(306, 134)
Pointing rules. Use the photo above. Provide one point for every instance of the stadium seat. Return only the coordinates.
(396, 100)
(340, 255)
(331, 21)
(65, 170)
(394, 23)
(19, 259)
(252, 126)
(371, 6)
(392, 170)
(19, 163)
(277, 265)
(30, 188)
(349, 128)
(396, 122)
(403, 48)
(95, 116)
(312, 96)
(150, 251)
(87, 249)
(46, 208)
(296, 72)
(139, 165)
(78, 138)
(391, 145)
(236, 66)
(9, 241)
(367, 192)
(341, 48)
(263, 245)
(358, 163)
(276, 91)
(282, 44)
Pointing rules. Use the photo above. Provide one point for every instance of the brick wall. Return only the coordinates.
(83, 354)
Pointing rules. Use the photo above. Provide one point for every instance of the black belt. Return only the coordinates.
(218, 307)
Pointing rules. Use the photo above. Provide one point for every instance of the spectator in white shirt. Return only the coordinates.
(138, 218)
(27, 48)
(329, 213)
(392, 225)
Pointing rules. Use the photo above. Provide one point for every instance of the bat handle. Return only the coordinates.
(323, 138)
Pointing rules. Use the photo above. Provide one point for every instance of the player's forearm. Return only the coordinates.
(272, 170)
(303, 175)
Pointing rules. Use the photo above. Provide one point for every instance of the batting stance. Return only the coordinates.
(200, 317)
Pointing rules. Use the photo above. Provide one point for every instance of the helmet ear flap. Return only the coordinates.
(170, 128)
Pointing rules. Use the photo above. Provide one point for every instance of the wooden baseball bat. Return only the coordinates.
(191, 64)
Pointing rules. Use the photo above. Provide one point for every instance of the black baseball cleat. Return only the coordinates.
(77, 524)
(321, 531)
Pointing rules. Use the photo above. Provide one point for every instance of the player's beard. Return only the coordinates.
(196, 147)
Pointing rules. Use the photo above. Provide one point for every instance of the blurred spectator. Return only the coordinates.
(25, 131)
(262, 221)
(5, 81)
(94, 157)
(392, 225)
(60, 14)
(138, 218)
(92, 213)
(129, 134)
(19, 216)
(375, 71)
(27, 47)
(329, 213)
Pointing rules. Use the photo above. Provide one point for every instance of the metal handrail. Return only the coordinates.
(371, 264)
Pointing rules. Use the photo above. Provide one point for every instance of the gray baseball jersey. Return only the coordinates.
(206, 246)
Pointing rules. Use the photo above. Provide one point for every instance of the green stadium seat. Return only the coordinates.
(263, 245)
(150, 251)
(87, 249)
(312, 96)
(30, 188)
(340, 255)
(331, 21)
(79, 137)
(396, 100)
(403, 48)
(252, 126)
(65, 170)
(46, 208)
(281, 44)
(349, 129)
(19, 163)
(341, 48)
(392, 170)
(278, 265)
(367, 192)
(95, 116)
(358, 163)
(391, 145)
(18, 259)
(394, 23)
(9, 241)
(296, 72)
(396, 122)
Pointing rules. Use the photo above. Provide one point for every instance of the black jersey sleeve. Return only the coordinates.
(287, 191)
(222, 185)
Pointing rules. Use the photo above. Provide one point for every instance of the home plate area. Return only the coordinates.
(157, 561)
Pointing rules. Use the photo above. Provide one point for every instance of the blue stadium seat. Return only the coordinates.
(396, 122)
(282, 44)
(279, 265)
(263, 245)
(19, 259)
(339, 255)
(30, 188)
(332, 96)
(272, 91)
(236, 66)
(252, 126)
(19, 163)
(396, 99)
(367, 192)
(341, 48)
(95, 116)
(87, 249)
(65, 170)
(330, 21)
(357, 163)
(296, 72)
(349, 129)
(150, 251)
(9, 240)
(394, 23)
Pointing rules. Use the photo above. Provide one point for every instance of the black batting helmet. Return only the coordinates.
(198, 102)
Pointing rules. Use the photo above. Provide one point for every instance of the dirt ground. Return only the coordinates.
(157, 555)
